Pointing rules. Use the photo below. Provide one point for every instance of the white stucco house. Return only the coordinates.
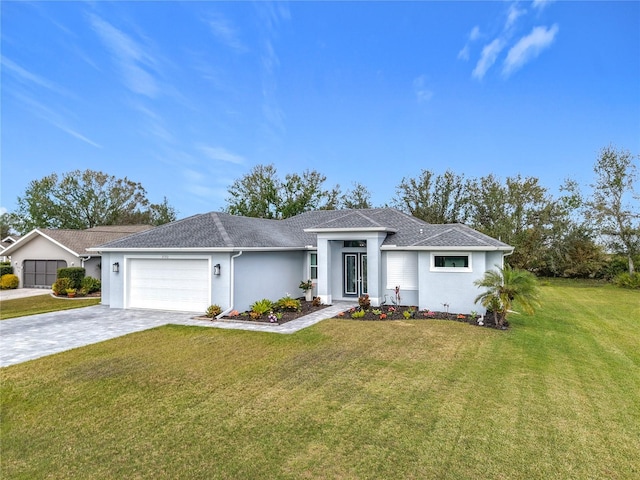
(232, 261)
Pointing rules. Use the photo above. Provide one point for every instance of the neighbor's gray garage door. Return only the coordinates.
(41, 273)
(168, 284)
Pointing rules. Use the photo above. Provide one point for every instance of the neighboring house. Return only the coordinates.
(37, 256)
(6, 243)
(233, 261)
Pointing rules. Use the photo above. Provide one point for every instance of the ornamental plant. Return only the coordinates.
(288, 304)
(213, 311)
(261, 307)
(364, 302)
(9, 281)
(308, 285)
(506, 286)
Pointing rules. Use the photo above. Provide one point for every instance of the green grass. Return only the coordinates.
(555, 397)
(19, 307)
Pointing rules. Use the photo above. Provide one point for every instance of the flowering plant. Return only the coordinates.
(272, 317)
(383, 316)
(308, 285)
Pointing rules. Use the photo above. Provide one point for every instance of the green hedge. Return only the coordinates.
(5, 269)
(75, 274)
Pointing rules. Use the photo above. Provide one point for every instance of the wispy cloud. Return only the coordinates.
(529, 47)
(512, 16)
(130, 56)
(225, 32)
(220, 154)
(541, 4)
(473, 36)
(522, 51)
(488, 57)
(27, 77)
(54, 118)
(272, 16)
(420, 88)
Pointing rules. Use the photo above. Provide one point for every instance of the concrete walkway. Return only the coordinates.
(27, 338)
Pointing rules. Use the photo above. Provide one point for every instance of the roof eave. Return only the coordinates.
(449, 248)
(199, 249)
(351, 229)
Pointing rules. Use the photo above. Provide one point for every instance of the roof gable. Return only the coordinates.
(77, 242)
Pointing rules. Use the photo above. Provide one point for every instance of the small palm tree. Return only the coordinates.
(506, 286)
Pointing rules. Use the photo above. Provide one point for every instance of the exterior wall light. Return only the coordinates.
(216, 269)
(116, 267)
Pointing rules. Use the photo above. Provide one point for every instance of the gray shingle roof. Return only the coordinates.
(218, 230)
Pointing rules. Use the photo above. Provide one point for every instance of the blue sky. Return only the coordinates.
(186, 97)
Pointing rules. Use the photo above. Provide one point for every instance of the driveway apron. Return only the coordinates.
(27, 338)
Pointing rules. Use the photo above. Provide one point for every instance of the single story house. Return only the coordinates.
(233, 261)
(37, 256)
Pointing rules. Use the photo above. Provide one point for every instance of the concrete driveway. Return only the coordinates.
(23, 292)
(27, 338)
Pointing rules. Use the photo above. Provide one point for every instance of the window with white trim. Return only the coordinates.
(313, 266)
(451, 262)
(402, 270)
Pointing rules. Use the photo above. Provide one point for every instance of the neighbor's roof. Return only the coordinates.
(218, 230)
(78, 241)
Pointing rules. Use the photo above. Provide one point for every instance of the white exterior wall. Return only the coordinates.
(40, 249)
(270, 275)
(453, 288)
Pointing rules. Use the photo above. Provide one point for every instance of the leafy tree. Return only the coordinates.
(301, 194)
(161, 213)
(5, 225)
(610, 208)
(260, 193)
(433, 198)
(571, 249)
(357, 198)
(256, 194)
(506, 286)
(79, 200)
(518, 211)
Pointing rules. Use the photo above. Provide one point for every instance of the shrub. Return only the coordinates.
(90, 284)
(627, 280)
(213, 311)
(289, 304)
(261, 307)
(75, 274)
(364, 302)
(357, 314)
(9, 281)
(61, 285)
(5, 268)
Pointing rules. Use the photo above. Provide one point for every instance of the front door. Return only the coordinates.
(355, 274)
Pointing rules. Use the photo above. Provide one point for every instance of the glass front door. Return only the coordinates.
(355, 274)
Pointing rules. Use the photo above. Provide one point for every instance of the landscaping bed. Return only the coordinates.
(400, 312)
(283, 316)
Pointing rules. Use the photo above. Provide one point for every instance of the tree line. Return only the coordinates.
(572, 234)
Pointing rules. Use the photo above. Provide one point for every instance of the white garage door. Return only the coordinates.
(168, 284)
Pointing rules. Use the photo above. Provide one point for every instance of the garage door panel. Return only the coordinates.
(169, 284)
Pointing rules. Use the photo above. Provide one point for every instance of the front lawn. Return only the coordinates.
(554, 397)
(19, 307)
